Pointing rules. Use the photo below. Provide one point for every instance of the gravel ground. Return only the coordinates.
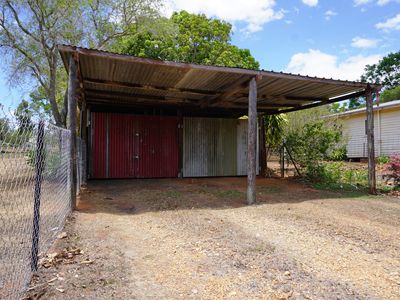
(195, 239)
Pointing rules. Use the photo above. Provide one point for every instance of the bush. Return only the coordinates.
(335, 175)
(338, 154)
(392, 169)
(315, 143)
(382, 159)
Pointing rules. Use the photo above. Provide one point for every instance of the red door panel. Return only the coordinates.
(169, 148)
(99, 137)
(134, 146)
(120, 154)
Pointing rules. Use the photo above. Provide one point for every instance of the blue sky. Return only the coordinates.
(312, 37)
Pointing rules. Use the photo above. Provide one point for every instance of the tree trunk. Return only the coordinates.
(52, 92)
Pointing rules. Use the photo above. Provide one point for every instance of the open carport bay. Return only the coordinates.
(195, 238)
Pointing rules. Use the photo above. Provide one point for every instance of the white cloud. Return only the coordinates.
(255, 13)
(329, 14)
(361, 2)
(359, 42)
(317, 63)
(310, 2)
(390, 24)
(378, 2)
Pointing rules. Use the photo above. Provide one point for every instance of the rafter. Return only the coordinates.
(149, 87)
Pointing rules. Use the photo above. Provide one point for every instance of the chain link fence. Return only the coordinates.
(35, 197)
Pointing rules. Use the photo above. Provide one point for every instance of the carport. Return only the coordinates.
(129, 96)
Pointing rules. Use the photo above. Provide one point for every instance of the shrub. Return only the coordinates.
(392, 169)
(338, 154)
(382, 159)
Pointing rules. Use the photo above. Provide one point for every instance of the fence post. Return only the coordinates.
(39, 162)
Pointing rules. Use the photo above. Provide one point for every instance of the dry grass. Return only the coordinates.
(195, 238)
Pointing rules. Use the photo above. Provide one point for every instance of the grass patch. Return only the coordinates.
(228, 194)
(171, 194)
(268, 189)
(388, 188)
(345, 190)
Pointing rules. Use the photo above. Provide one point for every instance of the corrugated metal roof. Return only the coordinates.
(116, 78)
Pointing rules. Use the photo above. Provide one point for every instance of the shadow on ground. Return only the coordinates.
(145, 195)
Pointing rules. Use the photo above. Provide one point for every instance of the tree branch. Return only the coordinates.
(19, 23)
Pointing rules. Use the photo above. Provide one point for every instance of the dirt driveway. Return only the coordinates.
(194, 239)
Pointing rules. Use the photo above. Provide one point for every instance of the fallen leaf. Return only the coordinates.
(62, 235)
(87, 261)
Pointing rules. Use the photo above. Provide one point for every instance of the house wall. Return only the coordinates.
(386, 130)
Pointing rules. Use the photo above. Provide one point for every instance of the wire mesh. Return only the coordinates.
(35, 197)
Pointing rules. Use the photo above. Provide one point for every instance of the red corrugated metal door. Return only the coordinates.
(99, 140)
(120, 152)
(157, 147)
(132, 146)
(169, 147)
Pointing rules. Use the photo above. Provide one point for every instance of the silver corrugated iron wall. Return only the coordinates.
(214, 147)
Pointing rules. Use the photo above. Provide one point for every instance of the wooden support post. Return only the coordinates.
(263, 152)
(282, 161)
(252, 142)
(84, 136)
(72, 94)
(370, 142)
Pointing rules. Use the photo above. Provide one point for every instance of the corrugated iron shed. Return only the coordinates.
(115, 79)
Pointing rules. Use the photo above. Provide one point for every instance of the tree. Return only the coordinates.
(274, 126)
(30, 31)
(356, 103)
(23, 114)
(391, 94)
(338, 107)
(195, 39)
(386, 72)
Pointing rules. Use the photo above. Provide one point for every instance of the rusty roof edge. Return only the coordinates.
(95, 52)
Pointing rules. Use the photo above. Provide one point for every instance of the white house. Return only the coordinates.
(387, 129)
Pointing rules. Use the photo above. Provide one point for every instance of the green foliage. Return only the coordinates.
(274, 126)
(355, 103)
(385, 72)
(51, 162)
(31, 30)
(391, 94)
(23, 115)
(195, 39)
(4, 128)
(338, 154)
(336, 176)
(338, 107)
(383, 159)
(298, 119)
(313, 143)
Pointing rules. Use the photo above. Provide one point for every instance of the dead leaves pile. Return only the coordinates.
(65, 257)
(68, 255)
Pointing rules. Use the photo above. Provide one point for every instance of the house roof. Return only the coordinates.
(382, 106)
(111, 78)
